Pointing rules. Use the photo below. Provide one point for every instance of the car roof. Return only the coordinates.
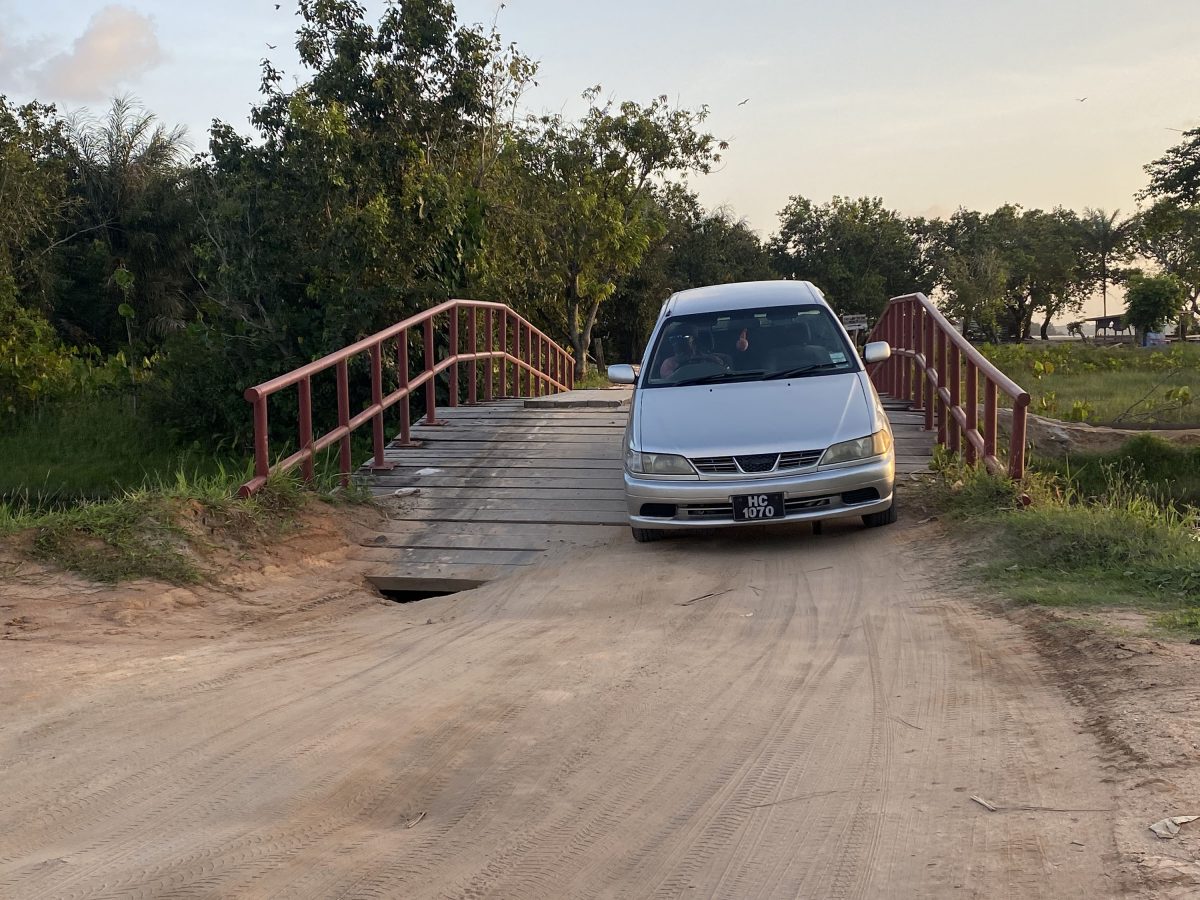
(742, 295)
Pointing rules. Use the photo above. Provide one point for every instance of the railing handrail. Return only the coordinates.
(1002, 381)
(540, 365)
(940, 356)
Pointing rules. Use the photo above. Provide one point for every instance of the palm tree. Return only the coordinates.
(1105, 241)
(130, 168)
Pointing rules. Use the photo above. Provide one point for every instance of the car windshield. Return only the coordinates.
(749, 345)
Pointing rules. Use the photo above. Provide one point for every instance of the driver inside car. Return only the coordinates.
(684, 350)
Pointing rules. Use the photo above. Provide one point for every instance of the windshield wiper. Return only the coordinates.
(803, 370)
(718, 377)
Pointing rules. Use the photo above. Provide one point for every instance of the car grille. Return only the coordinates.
(715, 465)
(762, 462)
(757, 464)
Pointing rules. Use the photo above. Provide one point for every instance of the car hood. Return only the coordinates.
(752, 416)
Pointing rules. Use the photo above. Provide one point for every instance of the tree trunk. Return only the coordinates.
(1046, 328)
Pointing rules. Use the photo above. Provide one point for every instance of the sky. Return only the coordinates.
(929, 104)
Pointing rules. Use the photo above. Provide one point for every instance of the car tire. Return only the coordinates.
(887, 517)
(646, 535)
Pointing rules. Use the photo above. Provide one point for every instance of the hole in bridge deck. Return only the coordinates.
(403, 589)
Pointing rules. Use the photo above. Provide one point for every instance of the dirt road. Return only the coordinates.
(758, 715)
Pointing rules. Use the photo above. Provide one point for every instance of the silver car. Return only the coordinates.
(752, 405)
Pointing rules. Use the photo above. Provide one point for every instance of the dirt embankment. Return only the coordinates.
(1056, 438)
(751, 714)
(288, 578)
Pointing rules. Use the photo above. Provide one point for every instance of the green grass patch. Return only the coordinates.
(103, 492)
(594, 380)
(159, 532)
(94, 450)
(1119, 385)
(1168, 473)
(1047, 542)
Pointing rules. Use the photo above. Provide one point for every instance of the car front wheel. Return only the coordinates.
(646, 535)
(887, 517)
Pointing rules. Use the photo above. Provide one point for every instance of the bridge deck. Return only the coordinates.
(498, 485)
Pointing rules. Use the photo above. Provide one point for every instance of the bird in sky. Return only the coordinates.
(744, 102)
(270, 46)
(1081, 99)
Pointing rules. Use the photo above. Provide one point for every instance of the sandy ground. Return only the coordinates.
(759, 714)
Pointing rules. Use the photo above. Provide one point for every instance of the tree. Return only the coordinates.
(579, 205)
(1151, 300)
(132, 228)
(970, 271)
(33, 197)
(361, 199)
(1175, 176)
(33, 205)
(1105, 242)
(1170, 235)
(698, 248)
(856, 251)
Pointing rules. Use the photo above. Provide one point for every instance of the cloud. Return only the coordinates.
(118, 45)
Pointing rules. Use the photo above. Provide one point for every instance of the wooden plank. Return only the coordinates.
(610, 481)
(520, 532)
(584, 496)
(504, 516)
(459, 556)
(425, 458)
(549, 507)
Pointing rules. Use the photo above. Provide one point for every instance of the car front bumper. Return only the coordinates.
(808, 496)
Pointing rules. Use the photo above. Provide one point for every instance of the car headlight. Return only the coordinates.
(656, 463)
(875, 444)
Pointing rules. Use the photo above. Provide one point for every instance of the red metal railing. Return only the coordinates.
(939, 371)
(536, 364)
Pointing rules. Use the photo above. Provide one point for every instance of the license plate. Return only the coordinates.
(757, 507)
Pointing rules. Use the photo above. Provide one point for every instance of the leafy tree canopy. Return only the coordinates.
(1176, 175)
(858, 252)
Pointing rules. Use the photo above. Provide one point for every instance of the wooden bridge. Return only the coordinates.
(516, 464)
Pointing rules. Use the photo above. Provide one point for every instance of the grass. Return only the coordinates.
(1170, 473)
(1051, 542)
(103, 492)
(161, 530)
(95, 450)
(1121, 385)
(593, 380)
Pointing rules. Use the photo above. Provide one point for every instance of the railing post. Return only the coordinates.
(940, 338)
(488, 345)
(473, 372)
(918, 337)
(930, 365)
(893, 363)
(914, 341)
(262, 452)
(1016, 446)
(430, 386)
(906, 366)
(402, 375)
(378, 438)
(989, 419)
(454, 356)
(542, 366)
(504, 354)
(527, 376)
(971, 408)
(306, 437)
(954, 372)
(343, 405)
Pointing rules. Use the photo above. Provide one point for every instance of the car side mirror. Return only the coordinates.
(622, 374)
(876, 352)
